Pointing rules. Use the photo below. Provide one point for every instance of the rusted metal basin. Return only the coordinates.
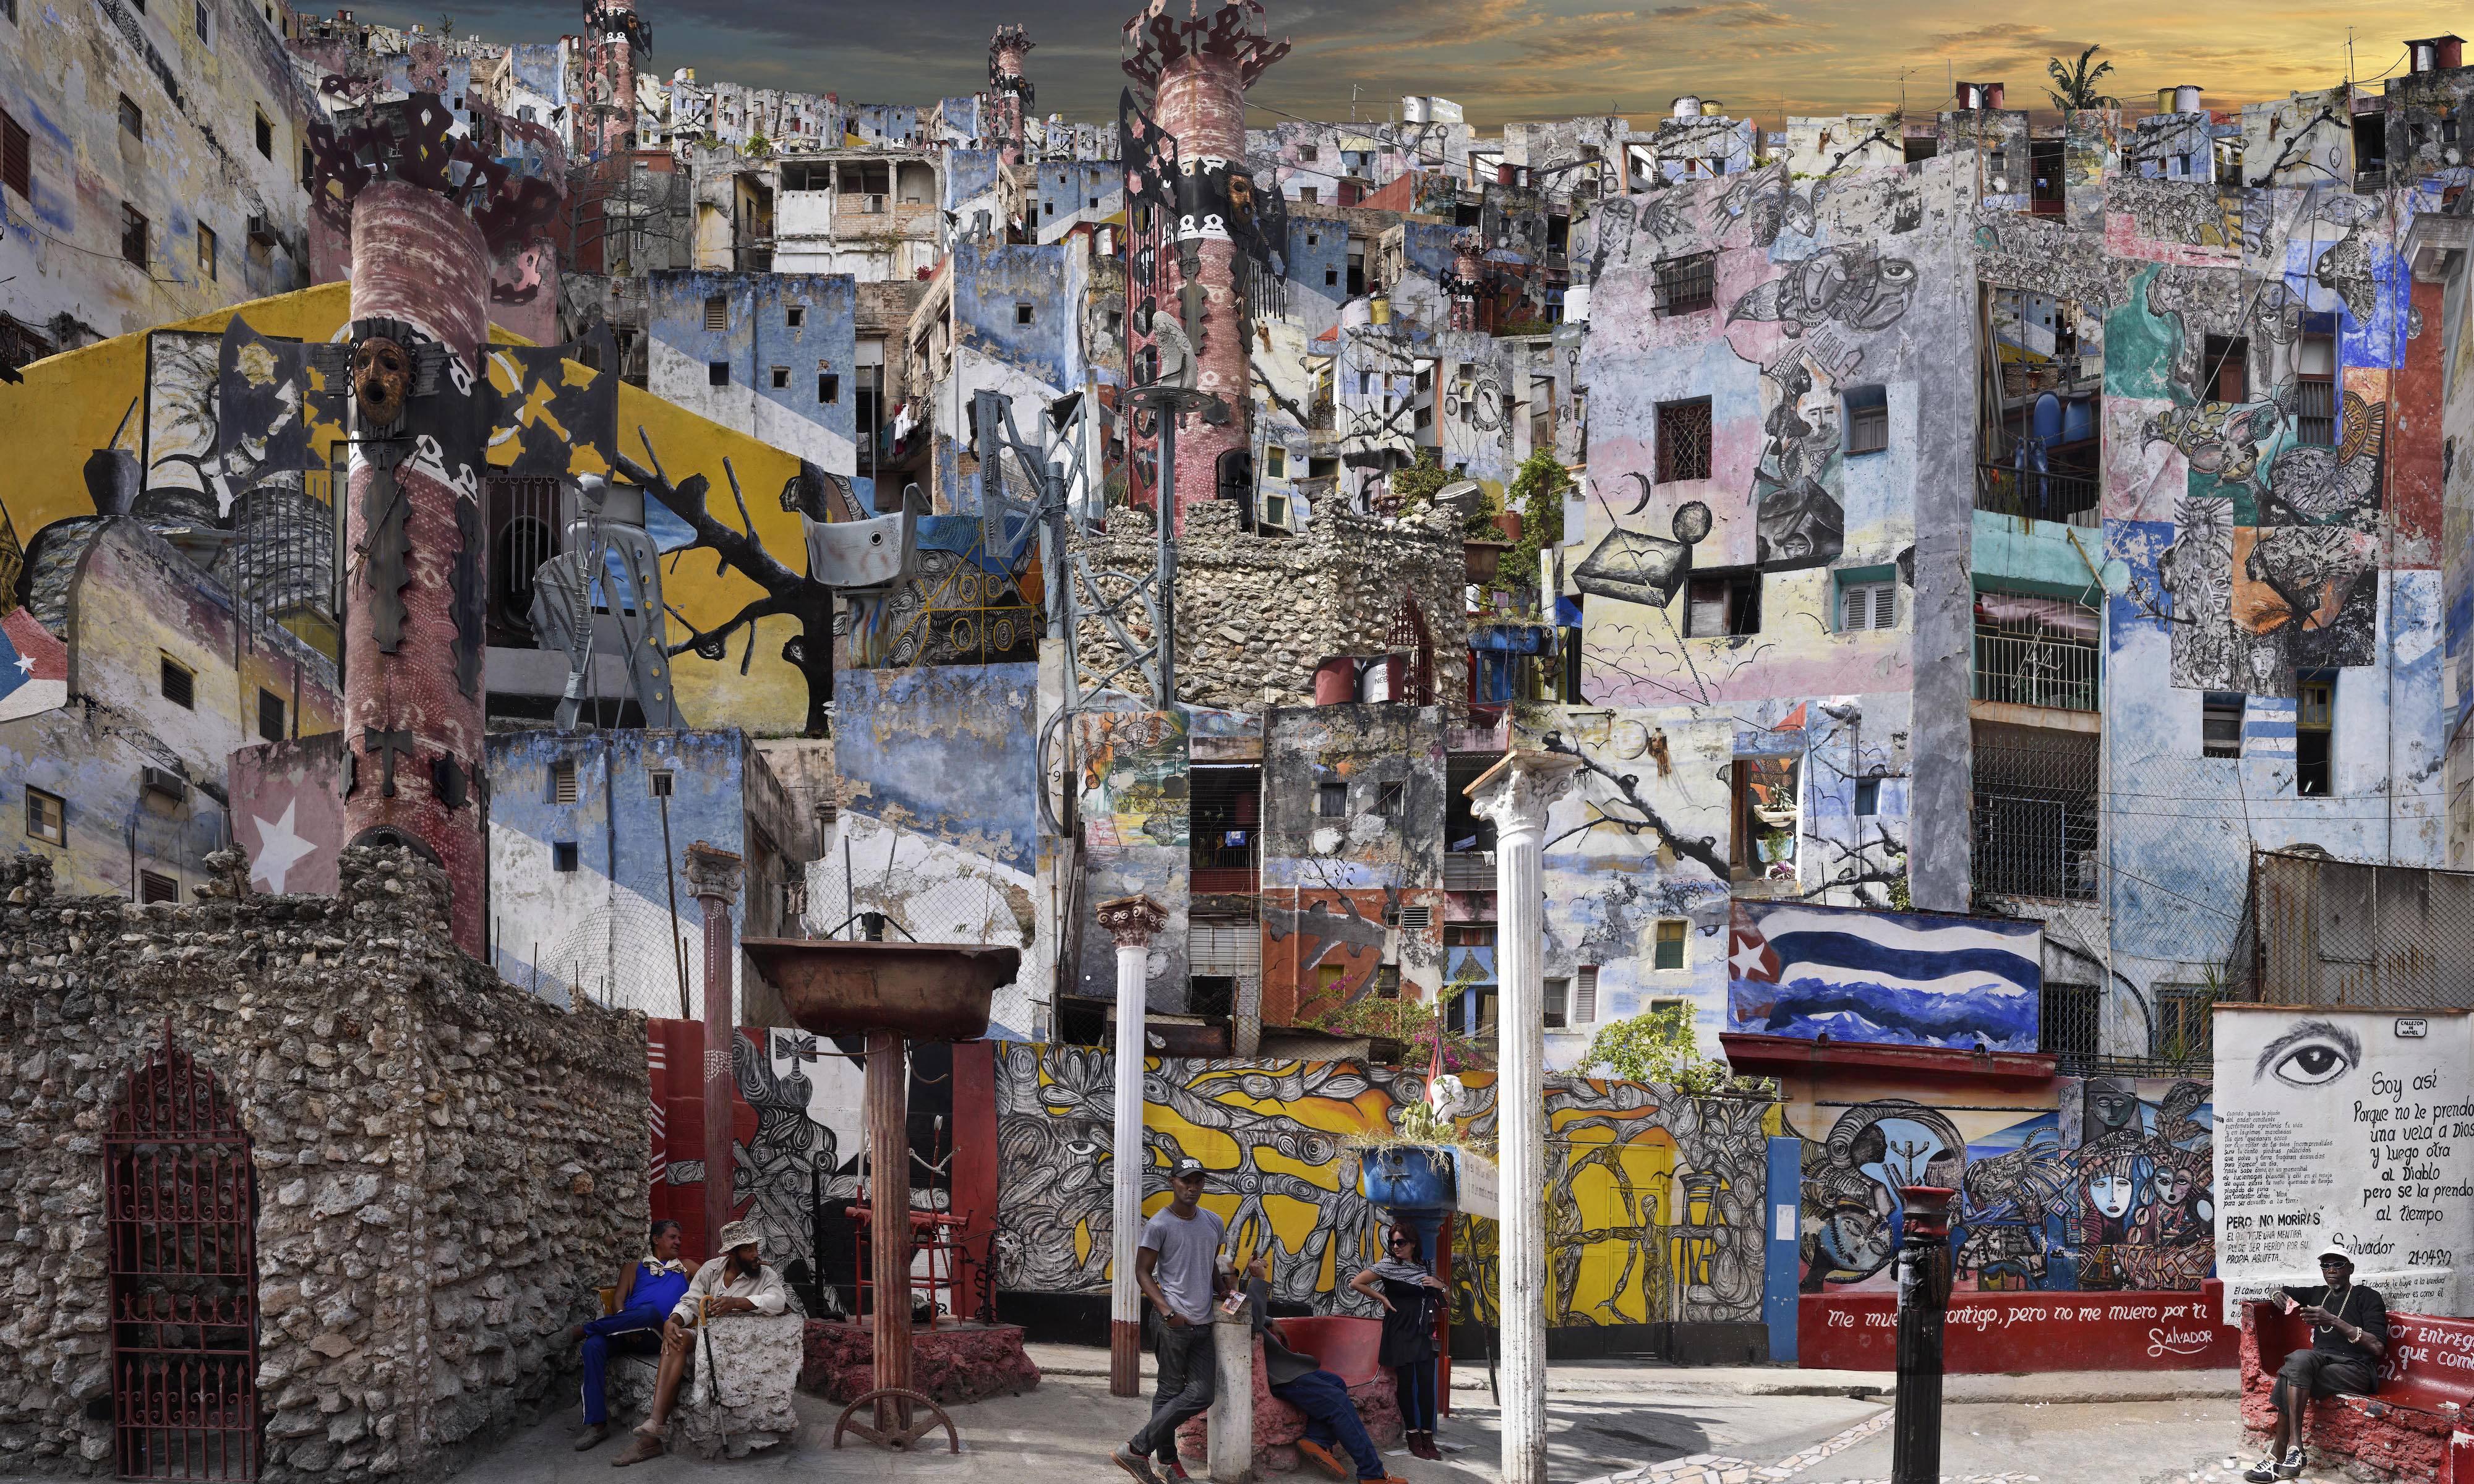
(919, 990)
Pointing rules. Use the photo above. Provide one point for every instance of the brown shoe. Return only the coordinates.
(595, 1435)
(1136, 1464)
(642, 1450)
(1421, 1444)
(1323, 1458)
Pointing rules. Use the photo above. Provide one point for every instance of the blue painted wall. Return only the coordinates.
(990, 283)
(946, 750)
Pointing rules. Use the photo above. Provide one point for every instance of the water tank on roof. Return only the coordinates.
(1687, 107)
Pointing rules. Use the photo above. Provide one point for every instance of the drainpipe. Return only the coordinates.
(713, 875)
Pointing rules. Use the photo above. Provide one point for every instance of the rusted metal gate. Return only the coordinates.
(182, 1212)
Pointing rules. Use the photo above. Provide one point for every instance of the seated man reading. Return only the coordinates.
(2349, 1334)
(739, 1283)
(1300, 1381)
(647, 1291)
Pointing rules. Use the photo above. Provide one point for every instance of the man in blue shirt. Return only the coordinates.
(646, 1293)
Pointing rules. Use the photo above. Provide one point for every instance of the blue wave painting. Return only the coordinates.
(1906, 979)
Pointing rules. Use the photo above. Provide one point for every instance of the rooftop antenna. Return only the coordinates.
(1353, 88)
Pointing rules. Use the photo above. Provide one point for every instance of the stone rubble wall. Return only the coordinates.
(1256, 614)
(447, 1168)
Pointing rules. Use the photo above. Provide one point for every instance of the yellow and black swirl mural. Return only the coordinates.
(1654, 1201)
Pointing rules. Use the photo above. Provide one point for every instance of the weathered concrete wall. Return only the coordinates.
(759, 346)
(194, 162)
(130, 605)
(444, 1167)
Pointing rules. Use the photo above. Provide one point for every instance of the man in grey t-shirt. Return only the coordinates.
(1178, 1269)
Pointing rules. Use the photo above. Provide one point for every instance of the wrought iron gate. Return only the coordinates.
(182, 1208)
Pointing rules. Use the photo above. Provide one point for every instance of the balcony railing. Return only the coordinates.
(2035, 670)
(2066, 497)
(1469, 871)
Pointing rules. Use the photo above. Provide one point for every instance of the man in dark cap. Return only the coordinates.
(2349, 1334)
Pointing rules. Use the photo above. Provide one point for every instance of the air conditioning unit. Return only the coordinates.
(163, 780)
(262, 233)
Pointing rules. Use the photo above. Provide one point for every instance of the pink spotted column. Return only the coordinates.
(417, 259)
(616, 35)
(1008, 89)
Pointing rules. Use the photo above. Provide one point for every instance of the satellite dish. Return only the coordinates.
(2115, 576)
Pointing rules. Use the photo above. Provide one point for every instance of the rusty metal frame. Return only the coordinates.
(180, 1202)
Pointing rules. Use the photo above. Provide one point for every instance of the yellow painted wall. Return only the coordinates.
(70, 404)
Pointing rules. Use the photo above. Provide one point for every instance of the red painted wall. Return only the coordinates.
(1988, 1333)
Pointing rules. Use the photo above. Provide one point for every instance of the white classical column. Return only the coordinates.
(1515, 794)
(1131, 920)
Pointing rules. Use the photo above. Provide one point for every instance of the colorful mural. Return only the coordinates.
(2111, 1187)
(1909, 979)
(1654, 1202)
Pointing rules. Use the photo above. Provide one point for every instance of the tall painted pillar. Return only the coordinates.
(713, 876)
(412, 673)
(1198, 67)
(1132, 922)
(616, 33)
(1010, 92)
(1516, 794)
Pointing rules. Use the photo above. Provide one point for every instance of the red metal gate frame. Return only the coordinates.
(181, 1208)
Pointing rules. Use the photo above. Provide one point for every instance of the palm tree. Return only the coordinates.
(2077, 81)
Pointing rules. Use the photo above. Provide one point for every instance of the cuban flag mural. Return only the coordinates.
(1897, 978)
(34, 667)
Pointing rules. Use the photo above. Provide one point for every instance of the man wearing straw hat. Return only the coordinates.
(741, 1284)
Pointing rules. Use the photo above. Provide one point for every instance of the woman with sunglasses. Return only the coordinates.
(1412, 1298)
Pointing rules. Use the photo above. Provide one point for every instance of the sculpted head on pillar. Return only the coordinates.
(712, 873)
(381, 380)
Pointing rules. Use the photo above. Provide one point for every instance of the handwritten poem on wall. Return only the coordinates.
(2347, 1125)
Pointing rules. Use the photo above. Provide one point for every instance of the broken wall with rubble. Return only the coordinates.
(443, 1167)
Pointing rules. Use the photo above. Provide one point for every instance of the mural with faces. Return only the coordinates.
(2112, 1188)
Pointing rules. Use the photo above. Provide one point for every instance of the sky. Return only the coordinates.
(1504, 60)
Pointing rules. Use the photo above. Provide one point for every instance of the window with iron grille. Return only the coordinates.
(2034, 815)
(155, 886)
(2069, 1023)
(2220, 723)
(660, 781)
(179, 686)
(2316, 397)
(265, 136)
(132, 235)
(17, 162)
(1867, 418)
(1684, 439)
(1670, 943)
(1686, 284)
(269, 715)
(1387, 981)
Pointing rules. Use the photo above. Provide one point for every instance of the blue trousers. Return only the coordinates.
(629, 1332)
(1332, 1417)
(1413, 1384)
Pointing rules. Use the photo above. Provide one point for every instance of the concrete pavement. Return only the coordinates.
(1608, 1421)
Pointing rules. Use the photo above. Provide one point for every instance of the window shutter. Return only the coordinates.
(1885, 606)
(1853, 613)
(1584, 995)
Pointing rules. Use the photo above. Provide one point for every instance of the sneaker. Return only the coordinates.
(1172, 1470)
(2292, 1468)
(1323, 1458)
(1136, 1464)
(595, 1435)
(2263, 1471)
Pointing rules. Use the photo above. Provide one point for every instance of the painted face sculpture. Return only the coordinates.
(381, 379)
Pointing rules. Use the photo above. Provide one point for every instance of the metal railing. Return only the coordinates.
(2035, 670)
(1469, 871)
(2072, 499)
(2034, 821)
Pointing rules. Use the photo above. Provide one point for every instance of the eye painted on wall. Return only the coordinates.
(2311, 1054)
